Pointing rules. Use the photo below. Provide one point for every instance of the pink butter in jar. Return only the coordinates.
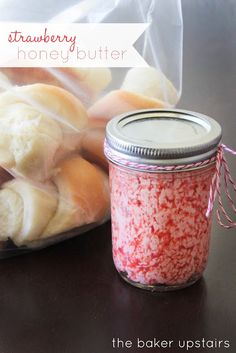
(161, 165)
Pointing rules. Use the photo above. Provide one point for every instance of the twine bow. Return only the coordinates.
(222, 169)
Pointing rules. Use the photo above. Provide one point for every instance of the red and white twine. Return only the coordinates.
(222, 170)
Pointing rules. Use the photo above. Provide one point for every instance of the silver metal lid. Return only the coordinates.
(163, 136)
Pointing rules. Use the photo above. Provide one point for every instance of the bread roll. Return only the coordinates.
(49, 100)
(38, 126)
(118, 102)
(92, 146)
(29, 141)
(11, 214)
(28, 75)
(90, 80)
(95, 78)
(25, 210)
(151, 83)
(83, 195)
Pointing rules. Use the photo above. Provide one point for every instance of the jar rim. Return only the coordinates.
(132, 137)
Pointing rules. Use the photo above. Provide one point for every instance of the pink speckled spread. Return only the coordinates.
(160, 231)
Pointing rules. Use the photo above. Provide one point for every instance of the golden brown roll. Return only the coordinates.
(28, 75)
(79, 81)
(39, 124)
(119, 102)
(92, 146)
(83, 195)
(25, 210)
(152, 83)
(50, 100)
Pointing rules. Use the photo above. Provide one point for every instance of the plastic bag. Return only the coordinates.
(53, 174)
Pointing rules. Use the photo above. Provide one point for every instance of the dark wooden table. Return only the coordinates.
(69, 298)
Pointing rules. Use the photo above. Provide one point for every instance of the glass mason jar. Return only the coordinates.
(161, 165)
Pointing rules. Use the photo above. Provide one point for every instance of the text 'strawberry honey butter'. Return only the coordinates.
(161, 165)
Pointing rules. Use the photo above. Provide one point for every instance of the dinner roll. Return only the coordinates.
(92, 146)
(83, 195)
(118, 102)
(39, 125)
(151, 83)
(79, 81)
(25, 210)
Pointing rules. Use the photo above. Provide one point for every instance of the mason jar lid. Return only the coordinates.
(163, 136)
